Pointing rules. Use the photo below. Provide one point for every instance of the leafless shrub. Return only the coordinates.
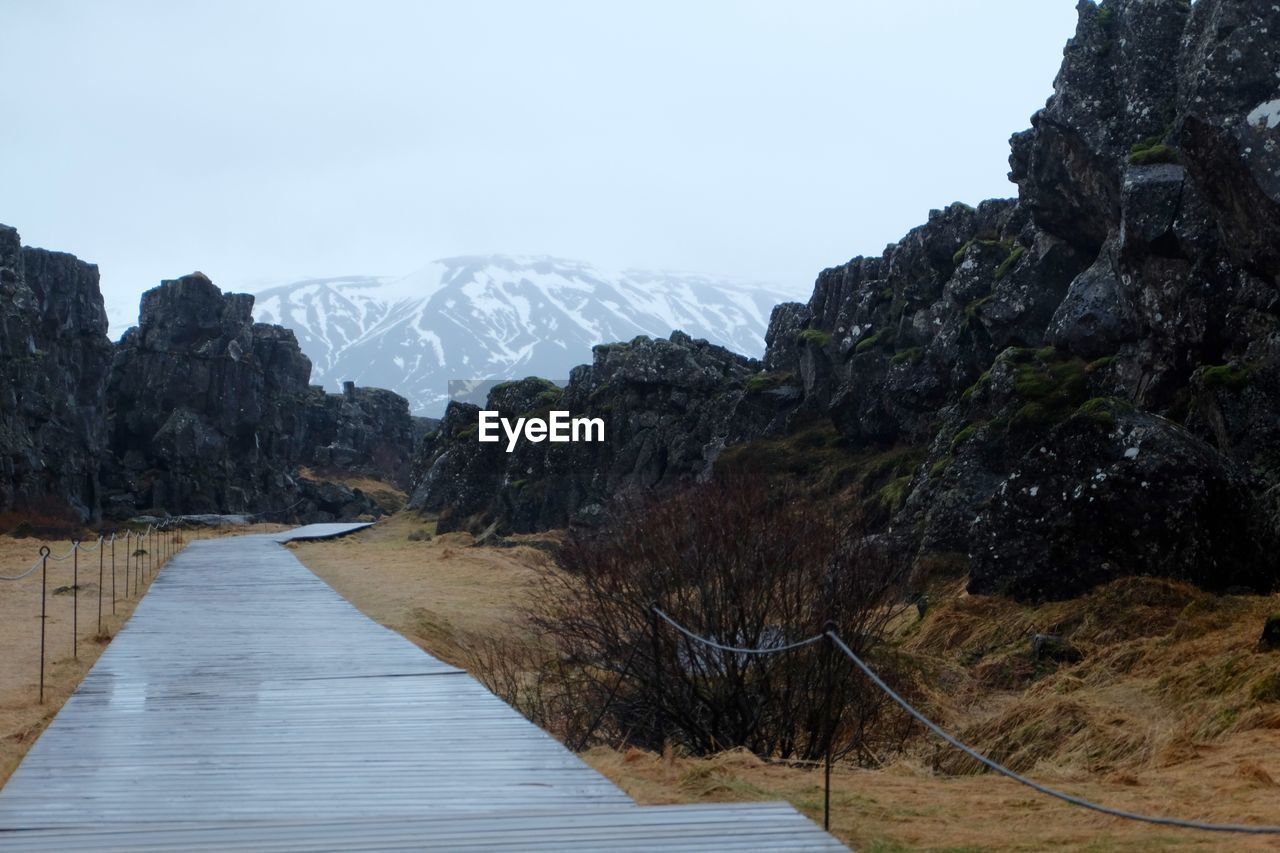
(746, 565)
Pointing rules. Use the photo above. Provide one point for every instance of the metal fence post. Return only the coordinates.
(44, 586)
(128, 551)
(828, 649)
(75, 596)
(101, 578)
(660, 715)
(113, 573)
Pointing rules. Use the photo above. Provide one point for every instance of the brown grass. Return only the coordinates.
(438, 592)
(1173, 709)
(386, 495)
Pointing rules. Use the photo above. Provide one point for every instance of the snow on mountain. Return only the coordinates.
(501, 317)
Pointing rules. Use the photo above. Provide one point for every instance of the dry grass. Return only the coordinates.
(22, 717)
(384, 494)
(438, 591)
(1173, 709)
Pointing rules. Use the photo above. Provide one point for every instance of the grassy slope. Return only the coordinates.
(1173, 709)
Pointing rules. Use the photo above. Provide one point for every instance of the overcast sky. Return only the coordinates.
(262, 142)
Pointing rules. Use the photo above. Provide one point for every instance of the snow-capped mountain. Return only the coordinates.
(501, 316)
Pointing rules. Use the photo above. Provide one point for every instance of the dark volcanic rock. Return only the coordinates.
(362, 430)
(1129, 297)
(54, 355)
(668, 407)
(1129, 492)
(203, 404)
(1142, 247)
(211, 412)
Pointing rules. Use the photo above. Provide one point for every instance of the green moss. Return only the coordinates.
(887, 293)
(959, 253)
(519, 484)
(1032, 414)
(814, 337)
(1010, 261)
(963, 435)
(819, 459)
(937, 469)
(1099, 364)
(1106, 17)
(1103, 410)
(762, 382)
(971, 310)
(549, 397)
(884, 337)
(893, 495)
(909, 356)
(1229, 376)
(1050, 385)
(469, 433)
(983, 381)
(1151, 151)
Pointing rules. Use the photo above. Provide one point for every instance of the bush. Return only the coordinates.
(746, 566)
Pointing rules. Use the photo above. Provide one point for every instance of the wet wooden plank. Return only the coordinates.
(247, 705)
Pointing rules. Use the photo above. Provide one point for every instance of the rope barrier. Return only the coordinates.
(735, 649)
(27, 573)
(86, 549)
(161, 538)
(978, 756)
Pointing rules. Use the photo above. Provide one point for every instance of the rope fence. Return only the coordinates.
(832, 642)
(146, 551)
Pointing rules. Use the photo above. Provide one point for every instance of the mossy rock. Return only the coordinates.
(763, 382)
(914, 355)
(1149, 152)
(884, 337)
(1099, 364)
(1229, 376)
(894, 493)
(1010, 261)
(963, 435)
(814, 337)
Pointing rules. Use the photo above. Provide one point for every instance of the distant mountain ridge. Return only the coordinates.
(501, 316)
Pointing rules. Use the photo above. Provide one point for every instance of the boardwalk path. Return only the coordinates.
(246, 705)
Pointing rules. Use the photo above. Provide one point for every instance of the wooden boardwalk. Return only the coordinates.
(246, 705)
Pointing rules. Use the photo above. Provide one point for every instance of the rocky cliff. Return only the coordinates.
(667, 408)
(212, 412)
(1086, 377)
(54, 355)
(197, 409)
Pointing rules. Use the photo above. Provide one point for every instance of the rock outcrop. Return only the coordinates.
(54, 355)
(668, 408)
(211, 412)
(1088, 373)
(1090, 365)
